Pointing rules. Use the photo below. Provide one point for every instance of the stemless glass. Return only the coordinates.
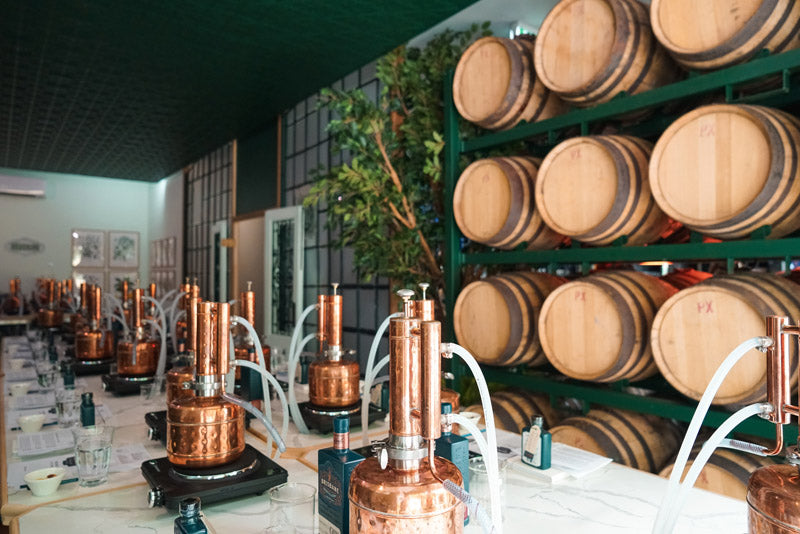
(479, 484)
(93, 453)
(292, 509)
(68, 407)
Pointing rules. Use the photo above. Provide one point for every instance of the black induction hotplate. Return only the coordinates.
(252, 474)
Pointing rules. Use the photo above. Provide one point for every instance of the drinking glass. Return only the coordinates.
(68, 407)
(479, 484)
(47, 373)
(92, 453)
(292, 509)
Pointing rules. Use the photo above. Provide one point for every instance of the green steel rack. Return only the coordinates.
(727, 84)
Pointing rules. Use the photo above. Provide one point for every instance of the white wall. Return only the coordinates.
(74, 201)
(166, 213)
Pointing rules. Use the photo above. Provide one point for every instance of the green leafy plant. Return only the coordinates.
(386, 202)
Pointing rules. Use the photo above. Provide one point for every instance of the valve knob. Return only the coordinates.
(405, 294)
(155, 497)
(335, 287)
(424, 286)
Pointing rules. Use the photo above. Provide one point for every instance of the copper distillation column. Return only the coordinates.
(13, 305)
(333, 379)
(206, 430)
(401, 488)
(80, 319)
(244, 348)
(92, 343)
(773, 492)
(136, 356)
(50, 315)
(183, 372)
(187, 291)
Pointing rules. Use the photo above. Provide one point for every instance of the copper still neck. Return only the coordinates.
(247, 300)
(138, 309)
(95, 306)
(212, 347)
(125, 294)
(84, 297)
(329, 323)
(191, 325)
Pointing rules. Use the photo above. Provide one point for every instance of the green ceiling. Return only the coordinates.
(138, 88)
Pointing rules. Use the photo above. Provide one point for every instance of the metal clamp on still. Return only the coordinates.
(773, 493)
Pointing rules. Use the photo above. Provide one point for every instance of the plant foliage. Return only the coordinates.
(386, 202)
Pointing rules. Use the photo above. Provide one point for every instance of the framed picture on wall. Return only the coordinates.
(88, 248)
(96, 277)
(123, 249)
(115, 279)
(170, 252)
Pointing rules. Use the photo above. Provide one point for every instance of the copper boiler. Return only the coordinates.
(136, 356)
(93, 343)
(333, 379)
(206, 430)
(401, 488)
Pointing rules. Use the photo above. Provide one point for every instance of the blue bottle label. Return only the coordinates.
(330, 485)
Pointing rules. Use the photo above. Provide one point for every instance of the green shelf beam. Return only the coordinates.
(783, 64)
(604, 395)
(755, 248)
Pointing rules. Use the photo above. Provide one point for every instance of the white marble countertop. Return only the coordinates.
(615, 499)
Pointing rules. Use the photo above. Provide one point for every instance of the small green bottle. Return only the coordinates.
(536, 444)
(87, 409)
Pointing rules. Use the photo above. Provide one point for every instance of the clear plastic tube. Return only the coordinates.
(260, 416)
(369, 377)
(671, 515)
(475, 509)
(697, 420)
(292, 370)
(259, 353)
(162, 355)
(281, 396)
(296, 415)
(492, 465)
(473, 429)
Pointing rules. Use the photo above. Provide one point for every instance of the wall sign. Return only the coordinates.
(24, 246)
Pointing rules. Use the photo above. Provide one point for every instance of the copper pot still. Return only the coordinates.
(333, 378)
(206, 430)
(50, 316)
(13, 305)
(137, 355)
(406, 493)
(93, 342)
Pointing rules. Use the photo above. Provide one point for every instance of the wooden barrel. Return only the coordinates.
(683, 278)
(493, 204)
(495, 85)
(711, 34)
(495, 318)
(514, 407)
(726, 472)
(696, 329)
(589, 51)
(596, 328)
(727, 170)
(640, 441)
(595, 190)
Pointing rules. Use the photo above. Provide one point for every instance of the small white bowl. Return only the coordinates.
(19, 389)
(44, 482)
(17, 363)
(31, 423)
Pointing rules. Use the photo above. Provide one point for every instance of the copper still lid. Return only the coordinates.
(773, 496)
(403, 493)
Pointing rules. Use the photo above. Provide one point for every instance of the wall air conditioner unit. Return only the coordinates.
(26, 187)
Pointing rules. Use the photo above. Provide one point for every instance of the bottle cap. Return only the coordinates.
(537, 420)
(447, 408)
(87, 398)
(189, 507)
(341, 425)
